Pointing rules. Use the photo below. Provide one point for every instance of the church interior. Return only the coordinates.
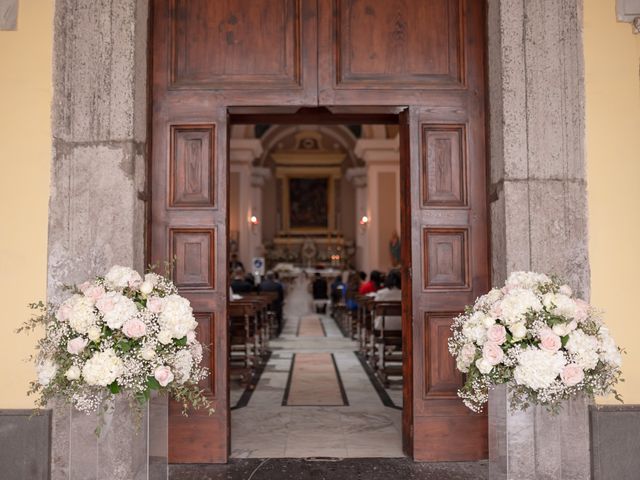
(315, 351)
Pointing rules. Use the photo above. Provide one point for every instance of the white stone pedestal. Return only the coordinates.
(536, 445)
(124, 450)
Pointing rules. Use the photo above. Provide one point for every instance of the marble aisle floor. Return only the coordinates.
(265, 428)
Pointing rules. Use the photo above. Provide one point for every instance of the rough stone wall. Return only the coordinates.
(96, 209)
(538, 189)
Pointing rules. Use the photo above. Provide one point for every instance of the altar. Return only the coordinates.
(308, 253)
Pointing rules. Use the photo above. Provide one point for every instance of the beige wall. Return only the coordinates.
(612, 58)
(25, 153)
(612, 66)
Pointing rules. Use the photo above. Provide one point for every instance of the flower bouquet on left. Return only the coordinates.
(118, 334)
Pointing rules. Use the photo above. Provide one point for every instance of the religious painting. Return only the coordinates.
(309, 203)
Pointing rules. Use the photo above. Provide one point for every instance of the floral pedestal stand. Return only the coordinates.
(535, 444)
(128, 448)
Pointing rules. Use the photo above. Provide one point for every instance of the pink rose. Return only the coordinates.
(163, 375)
(549, 341)
(134, 328)
(63, 312)
(105, 304)
(497, 334)
(94, 292)
(84, 285)
(572, 375)
(492, 353)
(155, 304)
(76, 345)
(582, 310)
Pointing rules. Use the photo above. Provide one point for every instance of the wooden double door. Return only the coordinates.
(421, 59)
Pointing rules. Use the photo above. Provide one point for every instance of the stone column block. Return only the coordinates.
(536, 445)
(128, 447)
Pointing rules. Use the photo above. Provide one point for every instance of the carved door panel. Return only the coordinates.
(398, 52)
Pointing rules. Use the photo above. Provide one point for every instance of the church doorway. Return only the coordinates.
(416, 63)
(316, 346)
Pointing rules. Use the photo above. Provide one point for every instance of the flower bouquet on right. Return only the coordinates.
(535, 336)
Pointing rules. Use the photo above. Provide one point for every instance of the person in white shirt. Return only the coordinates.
(390, 293)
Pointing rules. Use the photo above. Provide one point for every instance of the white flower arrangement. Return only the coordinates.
(533, 335)
(120, 333)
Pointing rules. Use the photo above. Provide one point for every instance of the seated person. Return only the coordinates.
(372, 285)
(239, 283)
(390, 293)
(351, 291)
(337, 289)
(235, 263)
(319, 292)
(269, 284)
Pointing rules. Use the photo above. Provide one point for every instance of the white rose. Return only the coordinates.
(191, 337)
(563, 329)
(76, 345)
(164, 337)
(484, 366)
(46, 371)
(518, 330)
(94, 333)
(73, 373)
(146, 288)
(148, 353)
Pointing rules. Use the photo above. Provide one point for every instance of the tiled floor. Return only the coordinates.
(265, 428)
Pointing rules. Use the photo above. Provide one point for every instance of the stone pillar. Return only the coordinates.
(382, 158)
(538, 195)
(98, 194)
(258, 177)
(538, 189)
(242, 153)
(358, 176)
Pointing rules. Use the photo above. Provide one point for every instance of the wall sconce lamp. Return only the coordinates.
(253, 220)
(364, 221)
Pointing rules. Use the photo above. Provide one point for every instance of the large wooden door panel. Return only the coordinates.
(398, 52)
(230, 52)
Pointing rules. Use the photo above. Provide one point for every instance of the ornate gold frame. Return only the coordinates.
(287, 173)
